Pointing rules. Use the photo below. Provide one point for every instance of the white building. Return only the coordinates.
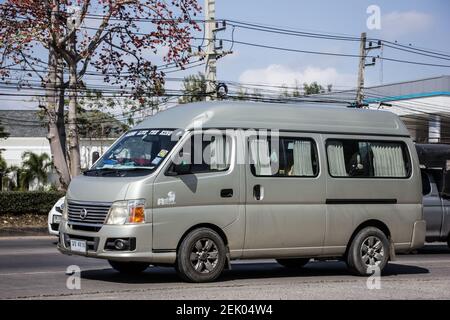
(28, 133)
(423, 105)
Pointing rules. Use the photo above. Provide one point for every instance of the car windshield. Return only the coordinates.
(137, 152)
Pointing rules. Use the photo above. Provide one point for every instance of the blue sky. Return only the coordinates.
(424, 24)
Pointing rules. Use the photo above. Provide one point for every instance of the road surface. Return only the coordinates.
(32, 268)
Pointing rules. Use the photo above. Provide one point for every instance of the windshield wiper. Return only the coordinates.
(107, 171)
(99, 170)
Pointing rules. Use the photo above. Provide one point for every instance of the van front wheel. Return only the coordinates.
(128, 267)
(293, 263)
(368, 252)
(201, 256)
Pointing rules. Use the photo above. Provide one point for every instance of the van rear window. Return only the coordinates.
(367, 159)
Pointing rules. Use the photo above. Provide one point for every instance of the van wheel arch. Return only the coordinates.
(369, 223)
(214, 228)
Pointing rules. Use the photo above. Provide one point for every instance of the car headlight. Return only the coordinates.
(64, 210)
(127, 212)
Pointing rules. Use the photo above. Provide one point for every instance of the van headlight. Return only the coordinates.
(127, 212)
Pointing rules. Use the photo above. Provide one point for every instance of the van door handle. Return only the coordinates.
(226, 193)
(258, 192)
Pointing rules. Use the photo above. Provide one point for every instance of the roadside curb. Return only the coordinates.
(23, 231)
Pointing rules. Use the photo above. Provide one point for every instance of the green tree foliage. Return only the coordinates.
(20, 202)
(3, 133)
(10, 183)
(3, 164)
(194, 88)
(34, 166)
(98, 124)
(315, 88)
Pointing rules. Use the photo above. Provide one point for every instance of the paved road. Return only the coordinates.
(31, 268)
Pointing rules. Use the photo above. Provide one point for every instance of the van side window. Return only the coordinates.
(365, 159)
(289, 157)
(208, 153)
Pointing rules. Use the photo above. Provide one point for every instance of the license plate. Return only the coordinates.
(57, 219)
(78, 246)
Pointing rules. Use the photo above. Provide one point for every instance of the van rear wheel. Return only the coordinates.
(293, 263)
(127, 267)
(201, 256)
(368, 252)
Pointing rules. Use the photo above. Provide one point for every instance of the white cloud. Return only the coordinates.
(397, 24)
(277, 74)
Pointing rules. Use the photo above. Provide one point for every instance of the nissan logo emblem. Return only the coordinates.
(83, 214)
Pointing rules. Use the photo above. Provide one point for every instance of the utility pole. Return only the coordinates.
(210, 69)
(213, 52)
(362, 67)
(363, 51)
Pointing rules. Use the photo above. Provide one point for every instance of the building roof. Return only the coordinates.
(428, 87)
(29, 123)
(409, 89)
(23, 123)
(297, 117)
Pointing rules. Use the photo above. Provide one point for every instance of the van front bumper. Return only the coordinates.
(418, 236)
(96, 243)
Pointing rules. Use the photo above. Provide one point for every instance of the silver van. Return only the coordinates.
(201, 184)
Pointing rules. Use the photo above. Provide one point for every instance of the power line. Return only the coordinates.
(436, 52)
(330, 36)
(256, 27)
(335, 54)
(415, 52)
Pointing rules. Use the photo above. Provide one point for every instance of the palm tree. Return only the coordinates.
(3, 164)
(3, 167)
(34, 166)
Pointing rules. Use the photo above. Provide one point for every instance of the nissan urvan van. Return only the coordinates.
(201, 184)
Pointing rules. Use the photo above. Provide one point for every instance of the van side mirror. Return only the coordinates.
(179, 169)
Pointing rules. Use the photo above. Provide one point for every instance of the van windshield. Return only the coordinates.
(138, 152)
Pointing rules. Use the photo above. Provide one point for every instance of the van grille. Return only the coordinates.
(87, 214)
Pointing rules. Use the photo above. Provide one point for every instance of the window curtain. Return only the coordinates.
(388, 160)
(259, 150)
(302, 159)
(336, 161)
(219, 153)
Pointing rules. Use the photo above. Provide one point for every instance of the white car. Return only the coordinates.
(54, 217)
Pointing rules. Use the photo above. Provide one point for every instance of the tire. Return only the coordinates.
(201, 256)
(369, 248)
(293, 263)
(448, 241)
(128, 267)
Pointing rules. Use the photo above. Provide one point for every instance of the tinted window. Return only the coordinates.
(356, 158)
(285, 157)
